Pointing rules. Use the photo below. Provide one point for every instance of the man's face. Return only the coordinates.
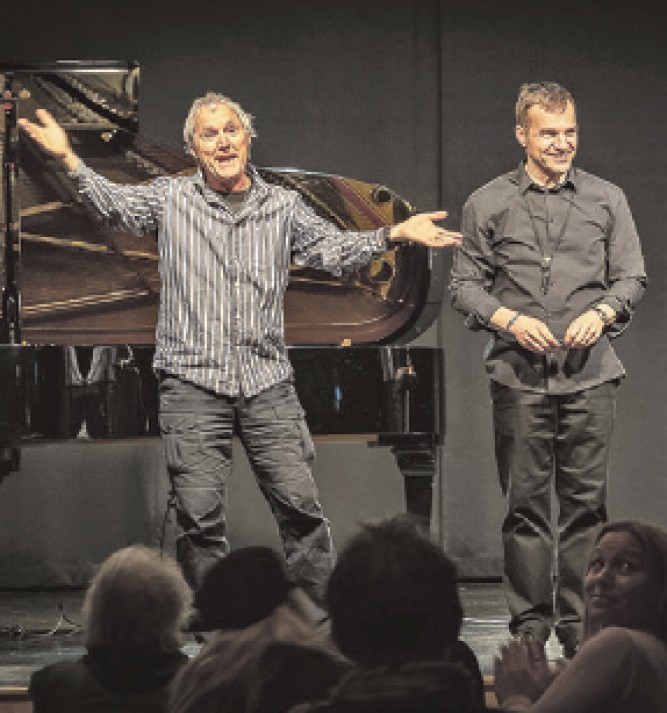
(221, 146)
(550, 140)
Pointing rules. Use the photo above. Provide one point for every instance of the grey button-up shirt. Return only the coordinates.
(548, 254)
(224, 273)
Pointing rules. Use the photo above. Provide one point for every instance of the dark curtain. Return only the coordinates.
(418, 95)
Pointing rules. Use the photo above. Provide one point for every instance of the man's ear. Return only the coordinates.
(520, 134)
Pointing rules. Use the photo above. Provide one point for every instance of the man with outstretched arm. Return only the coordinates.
(226, 239)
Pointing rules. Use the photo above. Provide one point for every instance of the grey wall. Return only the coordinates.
(71, 505)
(418, 95)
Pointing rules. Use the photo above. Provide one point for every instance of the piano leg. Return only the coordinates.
(10, 459)
(11, 407)
(418, 466)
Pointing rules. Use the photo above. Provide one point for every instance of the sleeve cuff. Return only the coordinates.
(387, 244)
(78, 171)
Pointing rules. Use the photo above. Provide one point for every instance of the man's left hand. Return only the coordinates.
(422, 228)
(584, 331)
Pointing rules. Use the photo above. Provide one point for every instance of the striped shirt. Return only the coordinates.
(224, 273)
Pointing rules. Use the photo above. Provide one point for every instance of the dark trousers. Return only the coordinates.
(197, 427)
(546, 442)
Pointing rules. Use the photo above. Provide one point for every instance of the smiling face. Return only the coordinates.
(619, 587)
(221, 146)
(550, 140)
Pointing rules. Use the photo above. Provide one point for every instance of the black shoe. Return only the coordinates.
(569, 636)
(532, 631)
(570, 646)
(196, 624)
(200, 637)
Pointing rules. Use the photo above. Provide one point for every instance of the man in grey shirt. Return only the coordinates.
(551, 264)
(226, 239)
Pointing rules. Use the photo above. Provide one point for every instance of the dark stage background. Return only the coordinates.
(417, 95)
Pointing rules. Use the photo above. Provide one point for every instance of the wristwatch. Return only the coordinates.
(606, 318)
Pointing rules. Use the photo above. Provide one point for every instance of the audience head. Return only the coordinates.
(260, 667)
(626, 580)
(393, 596)
(138, 601)
(242, 588)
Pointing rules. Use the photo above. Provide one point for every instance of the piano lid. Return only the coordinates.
(82, 283)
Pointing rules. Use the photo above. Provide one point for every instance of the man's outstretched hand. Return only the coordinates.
(422, 228)
(47, 133)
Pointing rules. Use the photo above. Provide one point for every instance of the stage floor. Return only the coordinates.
(42, 627)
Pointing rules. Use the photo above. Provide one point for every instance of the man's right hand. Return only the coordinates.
(51, 138)
(530, 333)
(534, 335)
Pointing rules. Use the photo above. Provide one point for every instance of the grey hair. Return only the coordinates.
(548, 95)
(215, 99)
(138, 600)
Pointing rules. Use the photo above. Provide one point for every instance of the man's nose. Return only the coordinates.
(223, 139)
(562, 141)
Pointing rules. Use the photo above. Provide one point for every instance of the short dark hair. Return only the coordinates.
(653, 542)
(393, 596)
(550, 96)
(242, 588)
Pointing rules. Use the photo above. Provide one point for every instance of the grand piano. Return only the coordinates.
(79, 301)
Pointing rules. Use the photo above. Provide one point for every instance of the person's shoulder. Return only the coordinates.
(507, 181)
(180, 180)
(497, 191)
(642, 639)
(611, 649)
(272, 190)
(619, 642)
(61, 675)
(590, 183)
(614, 635)
(278, 191)
(60, 668)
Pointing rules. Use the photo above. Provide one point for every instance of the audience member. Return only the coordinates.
(622, 665)
(133, 611)
(395, 612)
(241, 589)
(266, 653)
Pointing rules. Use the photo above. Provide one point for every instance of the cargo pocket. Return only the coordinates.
(181, 439)
(306, 441)
(287, 408)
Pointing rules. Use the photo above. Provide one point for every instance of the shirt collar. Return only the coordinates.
(524, 181)
(258, 188)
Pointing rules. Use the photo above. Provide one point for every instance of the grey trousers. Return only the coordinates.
(197, 427)
(545, 442)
